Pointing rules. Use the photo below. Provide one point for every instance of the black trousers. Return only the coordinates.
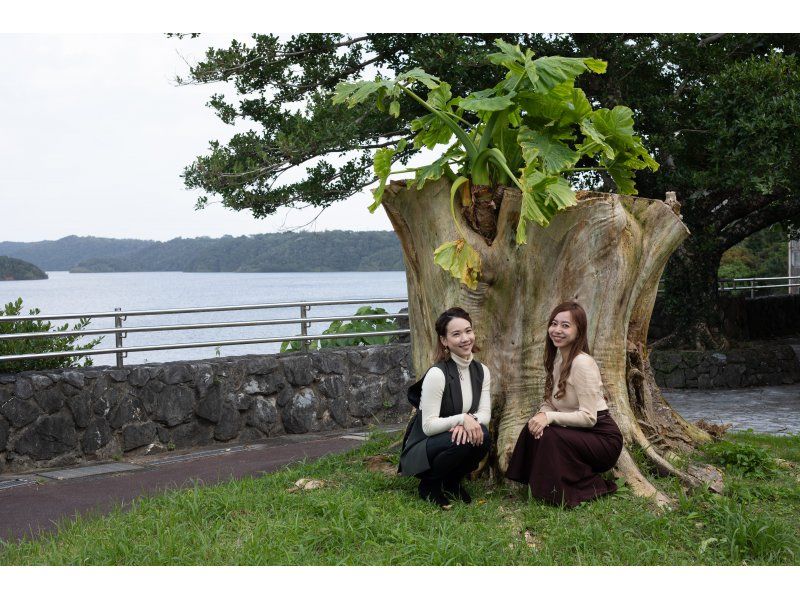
(450, 461)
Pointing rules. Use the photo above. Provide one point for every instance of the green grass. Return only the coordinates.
(368, 518)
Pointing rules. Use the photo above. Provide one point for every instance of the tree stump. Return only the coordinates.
(607, 253)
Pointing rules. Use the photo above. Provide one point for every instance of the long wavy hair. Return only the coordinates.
(441, 352)
(580, 344)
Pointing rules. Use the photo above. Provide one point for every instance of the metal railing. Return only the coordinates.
(751, 285)
(120, 332)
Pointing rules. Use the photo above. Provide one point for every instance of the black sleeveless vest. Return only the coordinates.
(414, 457)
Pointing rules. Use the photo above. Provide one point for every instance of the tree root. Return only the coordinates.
(627, 469)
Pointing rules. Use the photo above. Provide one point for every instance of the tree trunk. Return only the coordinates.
(692, 300)
(607, 253)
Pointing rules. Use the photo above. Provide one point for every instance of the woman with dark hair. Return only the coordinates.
(572, 438)
(449, 437)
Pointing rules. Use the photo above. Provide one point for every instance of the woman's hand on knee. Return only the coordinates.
(537, 424)
(473, 429)
(459, 435)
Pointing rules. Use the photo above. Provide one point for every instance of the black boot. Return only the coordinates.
(454, 488)
(431, 490)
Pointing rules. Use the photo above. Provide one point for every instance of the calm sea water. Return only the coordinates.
(65, 293)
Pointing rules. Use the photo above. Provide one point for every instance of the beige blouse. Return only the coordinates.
(583, 394)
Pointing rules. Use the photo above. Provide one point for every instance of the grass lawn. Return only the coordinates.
(364, 517)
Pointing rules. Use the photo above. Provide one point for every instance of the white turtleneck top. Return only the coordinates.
(431, 401)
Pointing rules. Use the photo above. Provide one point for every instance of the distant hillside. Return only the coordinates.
(14, 269)
(329, 251)
(69, 251)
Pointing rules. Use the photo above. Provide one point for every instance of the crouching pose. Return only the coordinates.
(448, 437)
(572, 439)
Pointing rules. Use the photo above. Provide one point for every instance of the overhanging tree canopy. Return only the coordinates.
(698, 100)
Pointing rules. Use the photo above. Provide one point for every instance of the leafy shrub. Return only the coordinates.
(351, 327)
(40, 345)
(741, 458)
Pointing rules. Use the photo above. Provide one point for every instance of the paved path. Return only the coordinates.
(770, 409)
(32, 503)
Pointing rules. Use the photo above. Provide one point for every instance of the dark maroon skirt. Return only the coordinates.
(563, 466)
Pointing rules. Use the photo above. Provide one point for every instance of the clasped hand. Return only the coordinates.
(537, 424)
(470, 431)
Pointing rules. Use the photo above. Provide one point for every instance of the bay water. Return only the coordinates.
(65, 293)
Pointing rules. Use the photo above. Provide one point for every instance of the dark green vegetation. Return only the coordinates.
(65, 253)
(720, 112)
(363, 517)
(41, 345)
(352, 327)
(762, 254)
(331, 251)
(16, 269)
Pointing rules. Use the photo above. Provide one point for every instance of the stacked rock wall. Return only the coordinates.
(765, 365)
(61, 417)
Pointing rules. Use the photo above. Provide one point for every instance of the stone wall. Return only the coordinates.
(62, 417)
(764, 365)
(742, 318)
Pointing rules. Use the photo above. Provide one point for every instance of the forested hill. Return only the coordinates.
(14, 269)
(275, 252)
(65, 253)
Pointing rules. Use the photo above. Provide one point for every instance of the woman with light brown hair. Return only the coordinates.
(572, 438)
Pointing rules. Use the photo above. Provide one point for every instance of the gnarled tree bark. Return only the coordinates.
(608, 253)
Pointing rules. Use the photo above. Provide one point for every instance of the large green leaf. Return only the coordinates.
(439, 96)
(438, 167)
(505, 139)
(486, 103)
(615, 125)
(595, 141)
(555, 156)
(578, 106)
(417, 74)
(554, 70)
(355, 93)
(542, 197)
(508, 55)
(623, 177)
(460, 260)
(384, 157)
(431, 131)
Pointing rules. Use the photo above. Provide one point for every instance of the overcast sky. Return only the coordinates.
(94, 133)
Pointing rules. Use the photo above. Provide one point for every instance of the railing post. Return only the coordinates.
(304, 327)
(118, 336)
(752, 288)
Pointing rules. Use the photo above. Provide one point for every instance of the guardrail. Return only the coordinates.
(120, 332)
(751, 285)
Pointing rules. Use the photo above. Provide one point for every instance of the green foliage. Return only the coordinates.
(40, 345)
(741, 458)
(762, 254)
(537, 103)
(351, 327)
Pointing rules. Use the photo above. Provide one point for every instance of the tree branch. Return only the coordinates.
(754, 222)
(709, 39)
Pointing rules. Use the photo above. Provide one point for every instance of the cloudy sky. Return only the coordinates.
(94, 134)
